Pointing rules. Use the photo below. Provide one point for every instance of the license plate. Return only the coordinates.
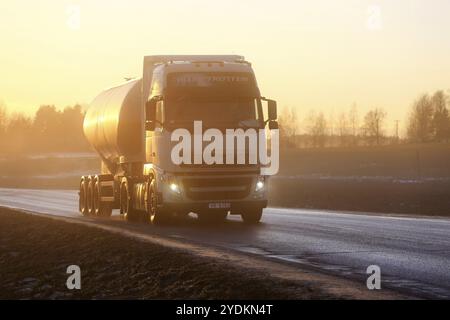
(220, 205)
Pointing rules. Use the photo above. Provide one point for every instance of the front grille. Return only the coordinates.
(217, 188)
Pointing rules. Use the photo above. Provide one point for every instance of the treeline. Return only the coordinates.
(52, 130)
(49, 130)
(428, 121)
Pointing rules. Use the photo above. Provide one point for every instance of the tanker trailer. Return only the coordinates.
(132, 128)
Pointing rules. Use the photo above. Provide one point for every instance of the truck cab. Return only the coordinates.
(188, 104)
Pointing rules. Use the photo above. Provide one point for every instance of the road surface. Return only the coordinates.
(413, 253)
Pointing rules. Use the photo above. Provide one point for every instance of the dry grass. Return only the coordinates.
(35, 253)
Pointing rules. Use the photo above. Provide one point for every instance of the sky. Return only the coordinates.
(319, 55)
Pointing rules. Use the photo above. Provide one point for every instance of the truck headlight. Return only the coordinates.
(260, 183)
(174, 187)
(171, 182)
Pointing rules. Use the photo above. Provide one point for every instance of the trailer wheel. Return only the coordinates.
(90, 196)
(126, 203)
(106, 210)
(101, 209)
(82, 201)
(96, 197)
(156, 215)
(252, 216)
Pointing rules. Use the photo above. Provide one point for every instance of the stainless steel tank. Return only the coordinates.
(114, 125)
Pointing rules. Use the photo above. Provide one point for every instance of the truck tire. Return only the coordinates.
(90, 196)
(106, 211)
(252, 216)
(82, 201)
(126, 202)
(154, 214)
(101, 209)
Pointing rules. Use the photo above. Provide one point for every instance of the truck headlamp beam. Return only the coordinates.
(260, 183)
(174, 188)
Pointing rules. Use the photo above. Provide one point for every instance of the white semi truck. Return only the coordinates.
(131, 126)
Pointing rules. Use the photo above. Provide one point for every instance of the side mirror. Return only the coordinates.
(273, 125)
(272, 109)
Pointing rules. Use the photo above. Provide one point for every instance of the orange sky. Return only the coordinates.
(321, 55)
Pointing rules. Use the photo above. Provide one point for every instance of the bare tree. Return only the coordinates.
(373, 124)
(331, 123)
(18, 131)
(3, 118)
(441, 119)
(48, 128)
(317, 129)
(288, 121)
(420, 126)
(72, 122)
(344, 129)
(353, 120)
(3, 125)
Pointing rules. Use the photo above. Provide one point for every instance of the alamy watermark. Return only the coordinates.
(235, 146)
(74, 280)
(73, 21)
(374, 19)
(374, 280)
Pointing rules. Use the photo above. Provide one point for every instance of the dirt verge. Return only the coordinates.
(116, 263)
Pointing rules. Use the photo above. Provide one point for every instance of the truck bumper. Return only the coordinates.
(235, 207)
(233, 192)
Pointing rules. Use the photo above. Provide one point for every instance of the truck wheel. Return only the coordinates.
(155, 215)
(212, 217)
(96, 198)
(90, 196)
(126, 203)
(252, 216)
(82, 201)
(101, 209)
(106, 210)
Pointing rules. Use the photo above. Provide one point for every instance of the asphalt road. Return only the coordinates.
(413, 253)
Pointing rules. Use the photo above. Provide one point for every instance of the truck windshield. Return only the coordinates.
(230, 113)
